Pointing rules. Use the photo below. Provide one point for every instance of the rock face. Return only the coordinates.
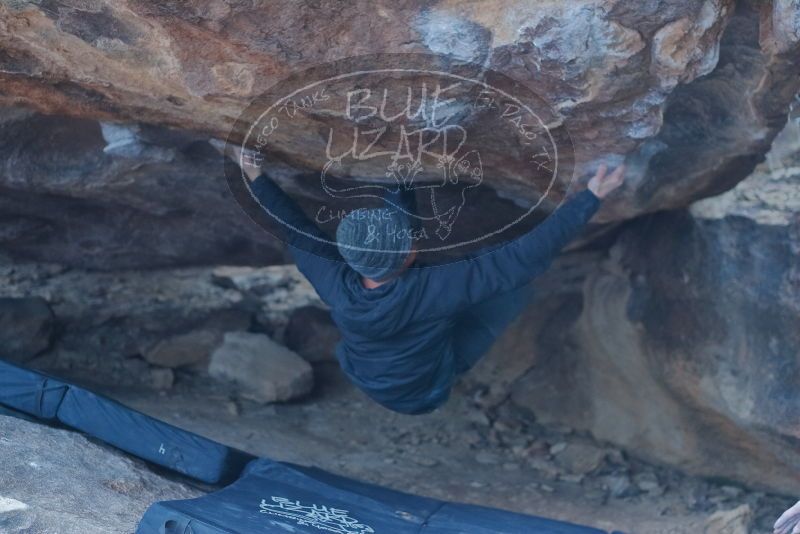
(26, 325)
(680, 342)
(263, 370)
(708, 141)
(668, 359)
(312, 334)
(58, 481)
(108, 320)
(112, 327)
(607, 68)
(66, 200)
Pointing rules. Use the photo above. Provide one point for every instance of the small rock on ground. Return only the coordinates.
(312, 334)
(735, 521)
(161, 378)
(580, 458)
(184, 349)
(262, 370)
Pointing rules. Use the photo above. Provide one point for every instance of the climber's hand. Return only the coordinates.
(250, 160)
(789, 522)
(602, 184)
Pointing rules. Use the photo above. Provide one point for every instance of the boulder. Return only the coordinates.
(161, 378)
(81, 206)
(679, 343)
(580, 458)
(55, 480)
(26, 326)
(262, 370)
(312, 334)
(278, 290)
(108, 320)
(709, 81)
(192, 348)
(735, 521)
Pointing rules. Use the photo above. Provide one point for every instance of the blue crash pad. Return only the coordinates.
(30, 392)
(149, 438)
(274, 497)
(48, 398)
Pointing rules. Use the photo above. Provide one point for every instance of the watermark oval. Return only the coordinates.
(484, 157)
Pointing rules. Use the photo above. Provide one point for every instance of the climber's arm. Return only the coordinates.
(299, 230)
(510, 266)
(456, 285)
(315, 256)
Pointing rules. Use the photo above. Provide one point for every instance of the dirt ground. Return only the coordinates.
(462, 453)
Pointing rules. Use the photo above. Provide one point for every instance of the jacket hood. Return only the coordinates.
(383, 309)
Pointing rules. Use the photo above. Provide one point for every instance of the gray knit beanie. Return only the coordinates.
(375, 242)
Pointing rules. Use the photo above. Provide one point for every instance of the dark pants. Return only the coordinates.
(477, 328)
(475, 331)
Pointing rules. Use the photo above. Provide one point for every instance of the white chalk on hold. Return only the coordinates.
(121, 139)
(8, 504)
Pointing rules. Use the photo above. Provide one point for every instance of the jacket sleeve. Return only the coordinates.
(315, 256)
(451, 287)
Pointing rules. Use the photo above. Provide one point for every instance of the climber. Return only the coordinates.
(408, 333)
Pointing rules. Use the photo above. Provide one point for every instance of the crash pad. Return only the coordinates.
(30, 392)
(45, 397)
(276, 497)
